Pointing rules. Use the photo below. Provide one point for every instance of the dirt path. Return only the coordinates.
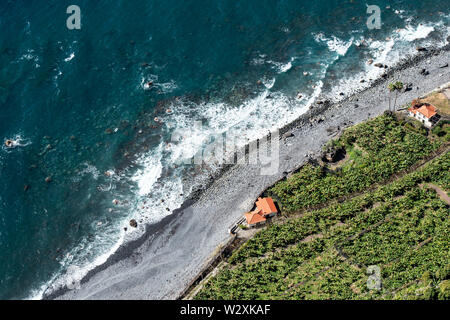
(442, 194)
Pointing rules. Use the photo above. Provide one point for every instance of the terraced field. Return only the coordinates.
(376, 228)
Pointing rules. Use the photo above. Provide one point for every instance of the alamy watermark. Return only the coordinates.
(232, 148)
(73, 278)
(374, 279)
(74, 20)
(374, 21)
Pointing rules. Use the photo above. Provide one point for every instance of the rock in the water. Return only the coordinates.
(48, 179)
(444, 65)
(378, 65)
(421, 49)
(133, 223)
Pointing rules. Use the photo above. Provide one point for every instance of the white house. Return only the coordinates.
(425, 113)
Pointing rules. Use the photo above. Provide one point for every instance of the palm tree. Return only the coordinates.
(394, 87)
(398, 88)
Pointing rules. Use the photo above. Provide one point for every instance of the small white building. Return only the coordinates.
(425, 113)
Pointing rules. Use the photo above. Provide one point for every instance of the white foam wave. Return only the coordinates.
(390, 51)
(249, 121)
(151, 82)
(89, 169)
(334, 44)
(18, 142)
(150, 172)
(69, 58)
(74, 271)
(282, 67)
(410, 33)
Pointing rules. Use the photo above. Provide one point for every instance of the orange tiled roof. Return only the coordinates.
(266, 205)
(428, 111)
(254, 217)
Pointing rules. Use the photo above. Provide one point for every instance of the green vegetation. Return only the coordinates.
(384, 146)
(403, 227)
(442, 130)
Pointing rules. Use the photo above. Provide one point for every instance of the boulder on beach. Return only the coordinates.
(407, 87)
(424, 72)
(133, 223)
(288, 134)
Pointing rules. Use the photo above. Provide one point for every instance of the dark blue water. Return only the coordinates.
(76, 103)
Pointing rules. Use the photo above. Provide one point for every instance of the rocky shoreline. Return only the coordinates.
(172, 252)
